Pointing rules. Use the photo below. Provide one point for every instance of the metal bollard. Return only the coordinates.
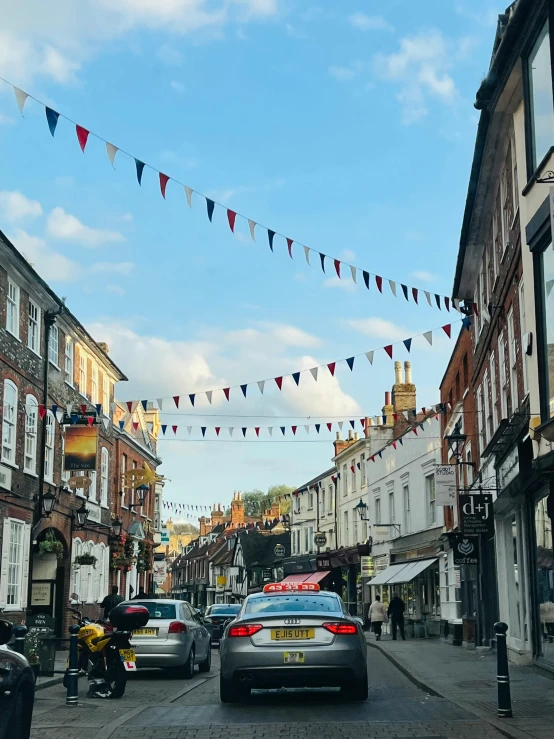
(72, 697)
(503, 675)
(19, 633)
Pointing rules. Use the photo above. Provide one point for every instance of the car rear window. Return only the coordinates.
(290, 602)
(224, 610)
(158, 610)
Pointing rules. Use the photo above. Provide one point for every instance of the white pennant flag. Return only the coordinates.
(314, 372)
(341, 424)
(21, 98)
(111, 151)
(113, 408)
(160, 402)
(369, 356)
(353, 270)
(270, 429)
(307, 254)
(392, 287)
(70, 408)
(209, 396)
(59, 415)
(106, 422)
(429, 336)
(189, 429)
(252, 226)
(307, 429)
(428, 296)
(188, 193)
(261, 385)
(231, 429)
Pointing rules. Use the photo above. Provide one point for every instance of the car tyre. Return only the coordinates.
(358, 691)
(19, 725)
(205, 666)
(230, 692)
(187, 669)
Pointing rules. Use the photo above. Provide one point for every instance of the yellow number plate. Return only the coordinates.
(293, 658)
(292, 634)
(145, 632)
(128, 655)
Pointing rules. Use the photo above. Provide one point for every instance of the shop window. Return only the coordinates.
(540, 107)
(545, 579)
(547, 348)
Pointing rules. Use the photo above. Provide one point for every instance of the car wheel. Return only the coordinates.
(187, 670)
(19, 725)
(206, 665)
(230, 692)
(357, 691)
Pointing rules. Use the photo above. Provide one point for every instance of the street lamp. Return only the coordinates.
(48, 503)
(361, 508)
(141, 491)
(81, 515)
(456, 441)
(117, 526)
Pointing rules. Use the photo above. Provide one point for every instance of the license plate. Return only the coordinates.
(292, 634)
(128, 655)
(145, 632)
(293, 658)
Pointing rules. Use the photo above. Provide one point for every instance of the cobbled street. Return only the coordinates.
(155, 707)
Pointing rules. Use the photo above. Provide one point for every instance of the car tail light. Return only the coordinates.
(338, 628)
(247, 630)
(177, 627)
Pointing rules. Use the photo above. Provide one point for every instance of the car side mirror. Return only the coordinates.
(6, 628)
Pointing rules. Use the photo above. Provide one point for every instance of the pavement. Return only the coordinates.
(468, 680)
(59, 669)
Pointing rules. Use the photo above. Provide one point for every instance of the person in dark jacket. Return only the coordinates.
(396, 613)
(141, 595)
(111, 601)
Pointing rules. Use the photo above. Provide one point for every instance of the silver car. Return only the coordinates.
(293, 637)
(175, 637)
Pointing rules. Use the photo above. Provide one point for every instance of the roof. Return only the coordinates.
(323, 475)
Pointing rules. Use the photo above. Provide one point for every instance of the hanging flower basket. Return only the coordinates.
(86, 559)
(50, 545)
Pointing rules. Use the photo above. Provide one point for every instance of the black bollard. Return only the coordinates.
(503, 675)
(72, 697)
(19, 633)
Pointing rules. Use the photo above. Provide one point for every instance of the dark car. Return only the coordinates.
(17, 689)
(218, 616)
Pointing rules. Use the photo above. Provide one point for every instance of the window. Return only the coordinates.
(362, 468)
(49, 447)
(104, 468)
(431, 500)
(515, 192)
(31, 426)
(9, 422)
(33, 334)
(106, 395)
(353, 471)
(541, 112)
(322, 500)
(15, 564)
(487, 408)
(344, 480)
(69, 360)
(377, 510)
(512, 357)
(492, 367)
(12, 312)
(392, 515)
(505, 203)
(406, 501)
(82, 373)
(481, 420)
(522, 332)
(306, 540)
(345, 530)
(330, 501)
(53, 347)
(546, 349)
(94, 385)
(310, 500)
(502, 377)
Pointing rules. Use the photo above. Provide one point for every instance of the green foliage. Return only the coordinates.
(50, 545)
(256, 501)
(31, 647)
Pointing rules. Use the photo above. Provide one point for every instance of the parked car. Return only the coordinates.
(174, 638)
(17, 689)
(218, 616)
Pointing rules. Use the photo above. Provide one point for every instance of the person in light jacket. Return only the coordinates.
(377, 615)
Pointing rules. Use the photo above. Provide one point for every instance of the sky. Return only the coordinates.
(348, 126)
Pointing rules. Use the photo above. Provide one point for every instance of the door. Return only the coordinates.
(196, 628)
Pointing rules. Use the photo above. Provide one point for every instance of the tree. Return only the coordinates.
(256, 501)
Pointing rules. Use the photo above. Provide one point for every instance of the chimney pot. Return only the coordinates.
(356, 436)
(398, 372)
(387, 398)
(350, 434)
(338, 436)
(408, 372)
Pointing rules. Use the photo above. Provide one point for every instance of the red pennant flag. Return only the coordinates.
(447, 329)
(90, 420)
(394, 444)
(352, 468)
(332, 366)
(329, 426)
(82, 135)
(362, 421)
(164, 179)
(372, 458)
(476, 309)
(294, 429)
(388, 349)
(84, 407)
(395, 416)
(135, 425)
(129, 406)
(174, 429)
(227, 391)
(289, 245)
(414, 293)
(176, 400)
(41, 411)
(379, 283)
(231, 215)
(279, 381)
(415, 431)
(424, 410)
(217, 430)
(257, 430)
(436, 416)
(337, 268)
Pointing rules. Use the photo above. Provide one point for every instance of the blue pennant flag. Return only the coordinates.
(74, 418)
(210, 206)
(317, 427)
(438, 301)
(54, 409)
(140, 169)
(352, 423)
(122, 424)
(282, 430)
(99, 409)
(408, 344)
(350, 362)
(404, 290)
(443, 408)
(366, 278)
(243, 388)
(270, 235)
(243, 431)
(414, 411)
(52, 118)
(203, 429)
(191, 398)
(296, 377)
(322, 259)
(401, 440)
(144, 403)
(466, 322)
(358, 465)
(163, 427)
(381, 454)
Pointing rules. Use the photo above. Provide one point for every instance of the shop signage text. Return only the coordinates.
(320, 540)
(477, 514)
(279, 550)
(466, 550)
(367, 566)
(445, 484)
(509, 468)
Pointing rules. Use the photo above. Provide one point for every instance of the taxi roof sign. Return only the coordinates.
(291, 587)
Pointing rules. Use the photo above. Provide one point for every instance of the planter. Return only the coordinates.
(409, 631)
(44, 568)
(86, 560)
(36, 669)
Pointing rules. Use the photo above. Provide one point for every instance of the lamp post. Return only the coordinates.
(456, 441)
(361, 510)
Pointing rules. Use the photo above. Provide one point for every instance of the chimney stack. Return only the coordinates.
(388, 410)
(407, 372)
(398, 373)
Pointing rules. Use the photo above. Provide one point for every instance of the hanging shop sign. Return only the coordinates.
(81, 443)
(323, 563)
(509, 469)
(320, 539)
(477, 514)
(41, 593)
(367, 566)
(445, 484)
(279, 550)
(466, 549)
(79, 483)
(381, 532)
(220, 583)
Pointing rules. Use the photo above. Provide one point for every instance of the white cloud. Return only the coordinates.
(290, 335)
(343, 74)
(170, 56)
(369, 22)
(15, 207)
(421, 68)
(424, 276)
(113, 268)
(64, 226)
(348, 255)
(115, 289)
(50, 265)
(177, 86)
(224, 196)
(126, 218)
(379, 328)
(345, 284)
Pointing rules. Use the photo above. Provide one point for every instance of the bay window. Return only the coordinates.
(540, 106)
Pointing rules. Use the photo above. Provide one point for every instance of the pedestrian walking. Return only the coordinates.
(377, 616)
(396, 612)
(141, 595)
(111, 601)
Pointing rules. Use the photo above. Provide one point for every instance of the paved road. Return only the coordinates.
(155, 707)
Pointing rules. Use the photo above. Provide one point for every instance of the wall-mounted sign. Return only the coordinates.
(81, 443)
(165, 535)
(220, 583)
(141, 476)
(381, 532)
(320, 540)
(509, 468)
(466, 549)
(41, 593)
(477, 514)
(79, 483)
(279, 550)
(367, 566)
(445, 484)
(323, 563)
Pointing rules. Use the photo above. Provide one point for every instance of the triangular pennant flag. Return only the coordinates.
(227, 391)
(369, 356)
(210, 205)
(380, 454)
(54, 409)
(392, 287)
(447, 304)
(415, 430)
(331, 366)
(59, 416)
(70, 408)
(52, 118)
(447, 329)
(84, 406)
(231, 429)
(176, 400)
(422, 427)
(82, 136)
(129, 405)
(466, 322)
(257, 430)
(307, 254)
(75, 418)
(217, 430)
(270, 237)
(121, 423)
(353, 272)
(362, 421)
(282, 430)
(314, 372)
(289, 246)
(21, 98)
(341, 424)
(395, 416)
(317, 427)
(307, 427)
(329, 426)
(415, 293)
(401, 440)
(408, 344)
(337, 267)
(394, 444)
(365, 275)
(428, 296)
(164, 179)
(140, 169)
(244, 431)
(358, 465)
(135, 425)
(243, 388)
(322, 260)
(41, 411)
(163, 428)
(191, 398)
(350, 362)
(252, 226)
(279, 382)
(379, 283)
(294, 429)
(372, 457)
(106, 422)
(429, 337)
(231, 216)
(352, 423)
(98, 408)
(144, 404)
(404, 290)
(111, 151)
(209, 396)
(175, 430)
(438, 301)
(160, 402)
(456, 304)
(414, 412)
(90, 420)
(270, 429)
(188, 193)
(388, 349)
(261, 385)
(296, 377)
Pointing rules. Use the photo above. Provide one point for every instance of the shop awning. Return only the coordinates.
(383, 577)
(411, 571)
(298, 577)
(317, 576)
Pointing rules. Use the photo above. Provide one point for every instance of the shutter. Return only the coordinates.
(25, 572)
(4, 563)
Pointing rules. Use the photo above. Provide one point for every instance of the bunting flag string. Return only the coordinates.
(83, 135)
(314, 371)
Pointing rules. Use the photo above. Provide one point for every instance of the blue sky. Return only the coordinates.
(348, 126)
